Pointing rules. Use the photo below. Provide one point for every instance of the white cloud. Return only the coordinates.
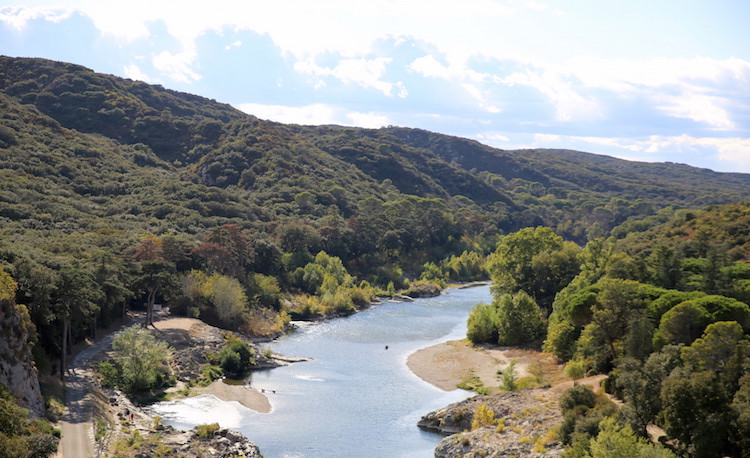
(429, 67)
(316, 114)
(176, 66)
(133, 72)
(547, 139)
(729, 154)
(367, 73)
(18, 16)
(569, 103)
(699, 108)
(368, 120)
(492, 138)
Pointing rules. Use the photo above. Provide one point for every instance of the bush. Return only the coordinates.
(482, 324)
(509, 377)
(206, 431)
(236, 356)
(483, 416)
(577, 395)
(41, 445)
(110, 374)
(230, 361)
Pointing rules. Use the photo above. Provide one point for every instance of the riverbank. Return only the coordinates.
(447, 364)
(245, 395)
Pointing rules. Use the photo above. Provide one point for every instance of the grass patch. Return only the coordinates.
(100, 429)
(471, 382)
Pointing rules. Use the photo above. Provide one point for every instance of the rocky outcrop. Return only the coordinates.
(17, 370)
(422, 290)
(523, 420)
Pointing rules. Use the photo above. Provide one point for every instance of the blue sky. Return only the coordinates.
(652, 81)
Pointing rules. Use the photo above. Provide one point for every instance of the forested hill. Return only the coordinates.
(74, 142)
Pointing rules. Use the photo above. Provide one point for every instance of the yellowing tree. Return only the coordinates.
(228, 298)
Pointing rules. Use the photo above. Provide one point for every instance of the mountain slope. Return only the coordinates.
(187, 163)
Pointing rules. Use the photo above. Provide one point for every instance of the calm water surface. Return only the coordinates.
(355, 398)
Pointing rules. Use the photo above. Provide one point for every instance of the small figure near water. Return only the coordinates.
(386, 347)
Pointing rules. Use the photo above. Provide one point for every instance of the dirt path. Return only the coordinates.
(76, 425)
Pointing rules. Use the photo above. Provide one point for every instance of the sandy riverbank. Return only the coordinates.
(245, 395)
(446, 364)
(248, 397)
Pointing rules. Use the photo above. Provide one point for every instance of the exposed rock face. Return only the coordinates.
(526, 417)
(17, 370)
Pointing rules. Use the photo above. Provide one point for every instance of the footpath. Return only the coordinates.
(76, 425)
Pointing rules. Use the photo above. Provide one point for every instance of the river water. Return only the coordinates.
(355, 398)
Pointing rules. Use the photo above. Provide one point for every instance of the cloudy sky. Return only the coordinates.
(665, 80)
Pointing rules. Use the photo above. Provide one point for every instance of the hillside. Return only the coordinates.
(101, 175)
(302, 172)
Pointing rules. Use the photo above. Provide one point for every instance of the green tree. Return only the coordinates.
(75, 299)
(713, 350)
(639, 385)
(741, 410)
(142, 359)
(616, 441)
(683, 323)
(156, 278)
(534, 260)
(482, 324)
(695, 411)
(519, 319)
(236, 356)
(666, 262)
(616, 302)
(112, 278)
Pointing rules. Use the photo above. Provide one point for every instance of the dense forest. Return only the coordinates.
(116, 194)
(661, 308)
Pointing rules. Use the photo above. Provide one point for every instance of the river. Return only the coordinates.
(355, 398)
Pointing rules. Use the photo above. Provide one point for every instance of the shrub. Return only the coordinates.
(509, 377)
(483, 416)
(236, 356)
(206, 431)
(100, 429)
(577, 395)
(109, 373)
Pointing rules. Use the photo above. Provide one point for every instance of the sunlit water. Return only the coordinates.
(356, 398)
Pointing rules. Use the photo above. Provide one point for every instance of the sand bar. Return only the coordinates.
(245, 395)
(446, 364)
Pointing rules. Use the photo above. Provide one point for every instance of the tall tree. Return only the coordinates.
(617, 301)
(156, 278)
(534, 260)
(75, 298)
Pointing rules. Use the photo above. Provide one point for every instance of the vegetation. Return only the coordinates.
(483, 416)
(235, 357)
(21, 436)
(115, 194)
(661, 310)
(140, 360)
